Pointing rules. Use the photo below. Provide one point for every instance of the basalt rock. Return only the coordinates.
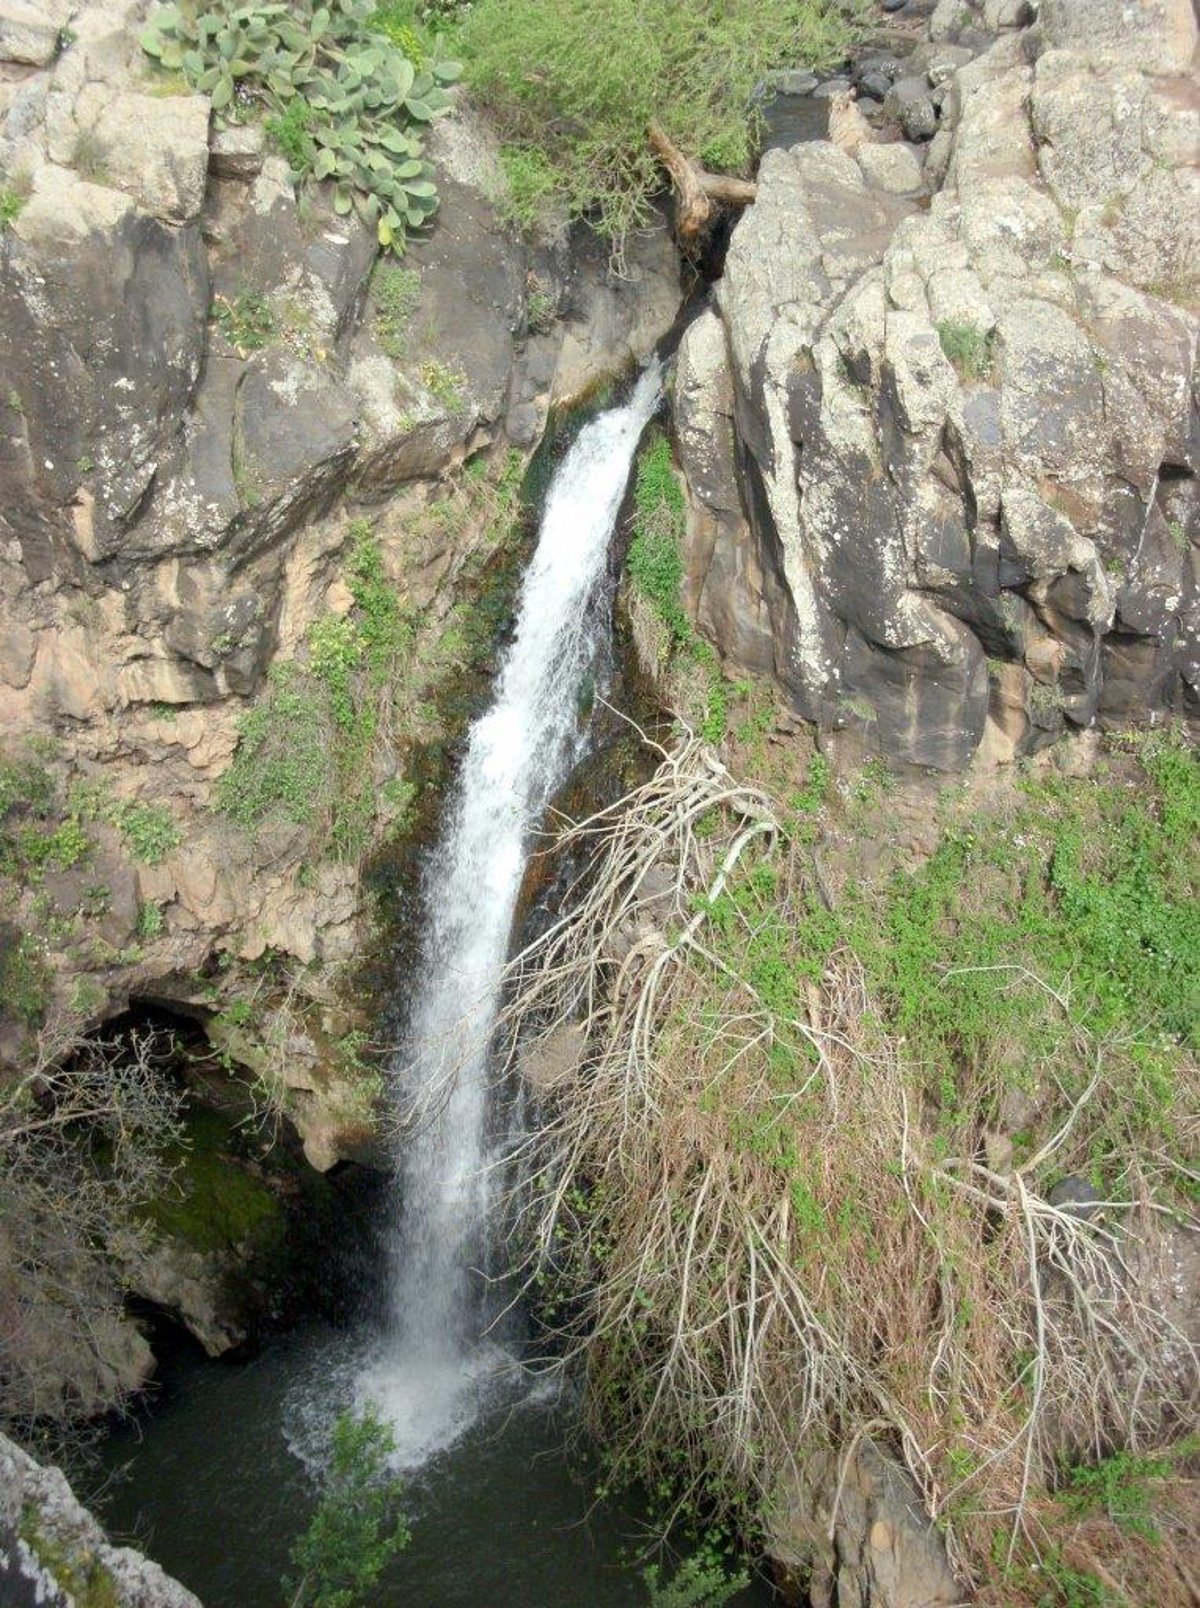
(53, 1553)
(933, 442)
(858, 1536)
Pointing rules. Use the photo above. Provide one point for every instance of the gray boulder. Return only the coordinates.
(53, 1554)
(910, 104)
(30, 30)
(99, 389)
(859, 1537)
(1158, 36)
(155, 148)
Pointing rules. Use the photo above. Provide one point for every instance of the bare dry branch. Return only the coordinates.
(734, 1222)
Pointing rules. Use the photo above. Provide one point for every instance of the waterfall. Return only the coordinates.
(429, 1373)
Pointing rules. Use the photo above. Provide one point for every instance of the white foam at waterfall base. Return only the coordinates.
(432, 1372)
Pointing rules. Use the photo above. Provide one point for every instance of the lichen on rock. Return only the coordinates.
(53, 1554)
(962, 426)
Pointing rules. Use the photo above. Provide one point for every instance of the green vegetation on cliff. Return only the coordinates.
(574, 87)
(75, 1567)
(57, 870)
(655, 562)
(320, 746)
(892, 1156)
(668, 643)
(11, 202)
(347, 101)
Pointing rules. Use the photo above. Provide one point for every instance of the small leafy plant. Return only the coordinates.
(149, 831)
(364, 104)
(246, 321)
(11, 203)
(357, 1528)
(700, 1581)
(444, 384)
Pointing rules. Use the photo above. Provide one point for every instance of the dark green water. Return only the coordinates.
(505, 1519)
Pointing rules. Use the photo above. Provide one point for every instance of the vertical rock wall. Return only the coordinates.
(940, 426)
(201, 382)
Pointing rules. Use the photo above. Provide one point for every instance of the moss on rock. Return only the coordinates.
(217, 1202)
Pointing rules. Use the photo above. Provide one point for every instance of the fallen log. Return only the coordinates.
(698, 190)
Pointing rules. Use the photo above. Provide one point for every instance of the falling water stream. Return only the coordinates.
(432, 1367)
(212, 1479)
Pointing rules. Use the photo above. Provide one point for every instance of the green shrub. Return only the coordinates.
(541, 304)
(25, 786)
(334, 655)
(398, 22)
(149, 831)
(1103, 884)
(59, 849)
(1119, 1486)
(30, 840)
(24, 976)
(331, 723)
(700, 1581)
(367, 105)
(357, 1528)
(655, 563)
(283, 764)
(574, 86)
(74, 1567)
(306, 747)
(291, 133)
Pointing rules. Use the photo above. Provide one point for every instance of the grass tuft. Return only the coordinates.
(574, 85)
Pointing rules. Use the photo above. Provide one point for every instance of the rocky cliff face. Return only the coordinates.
(228, 433)
(202, 383)
(940, 426)
(53, 1554)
